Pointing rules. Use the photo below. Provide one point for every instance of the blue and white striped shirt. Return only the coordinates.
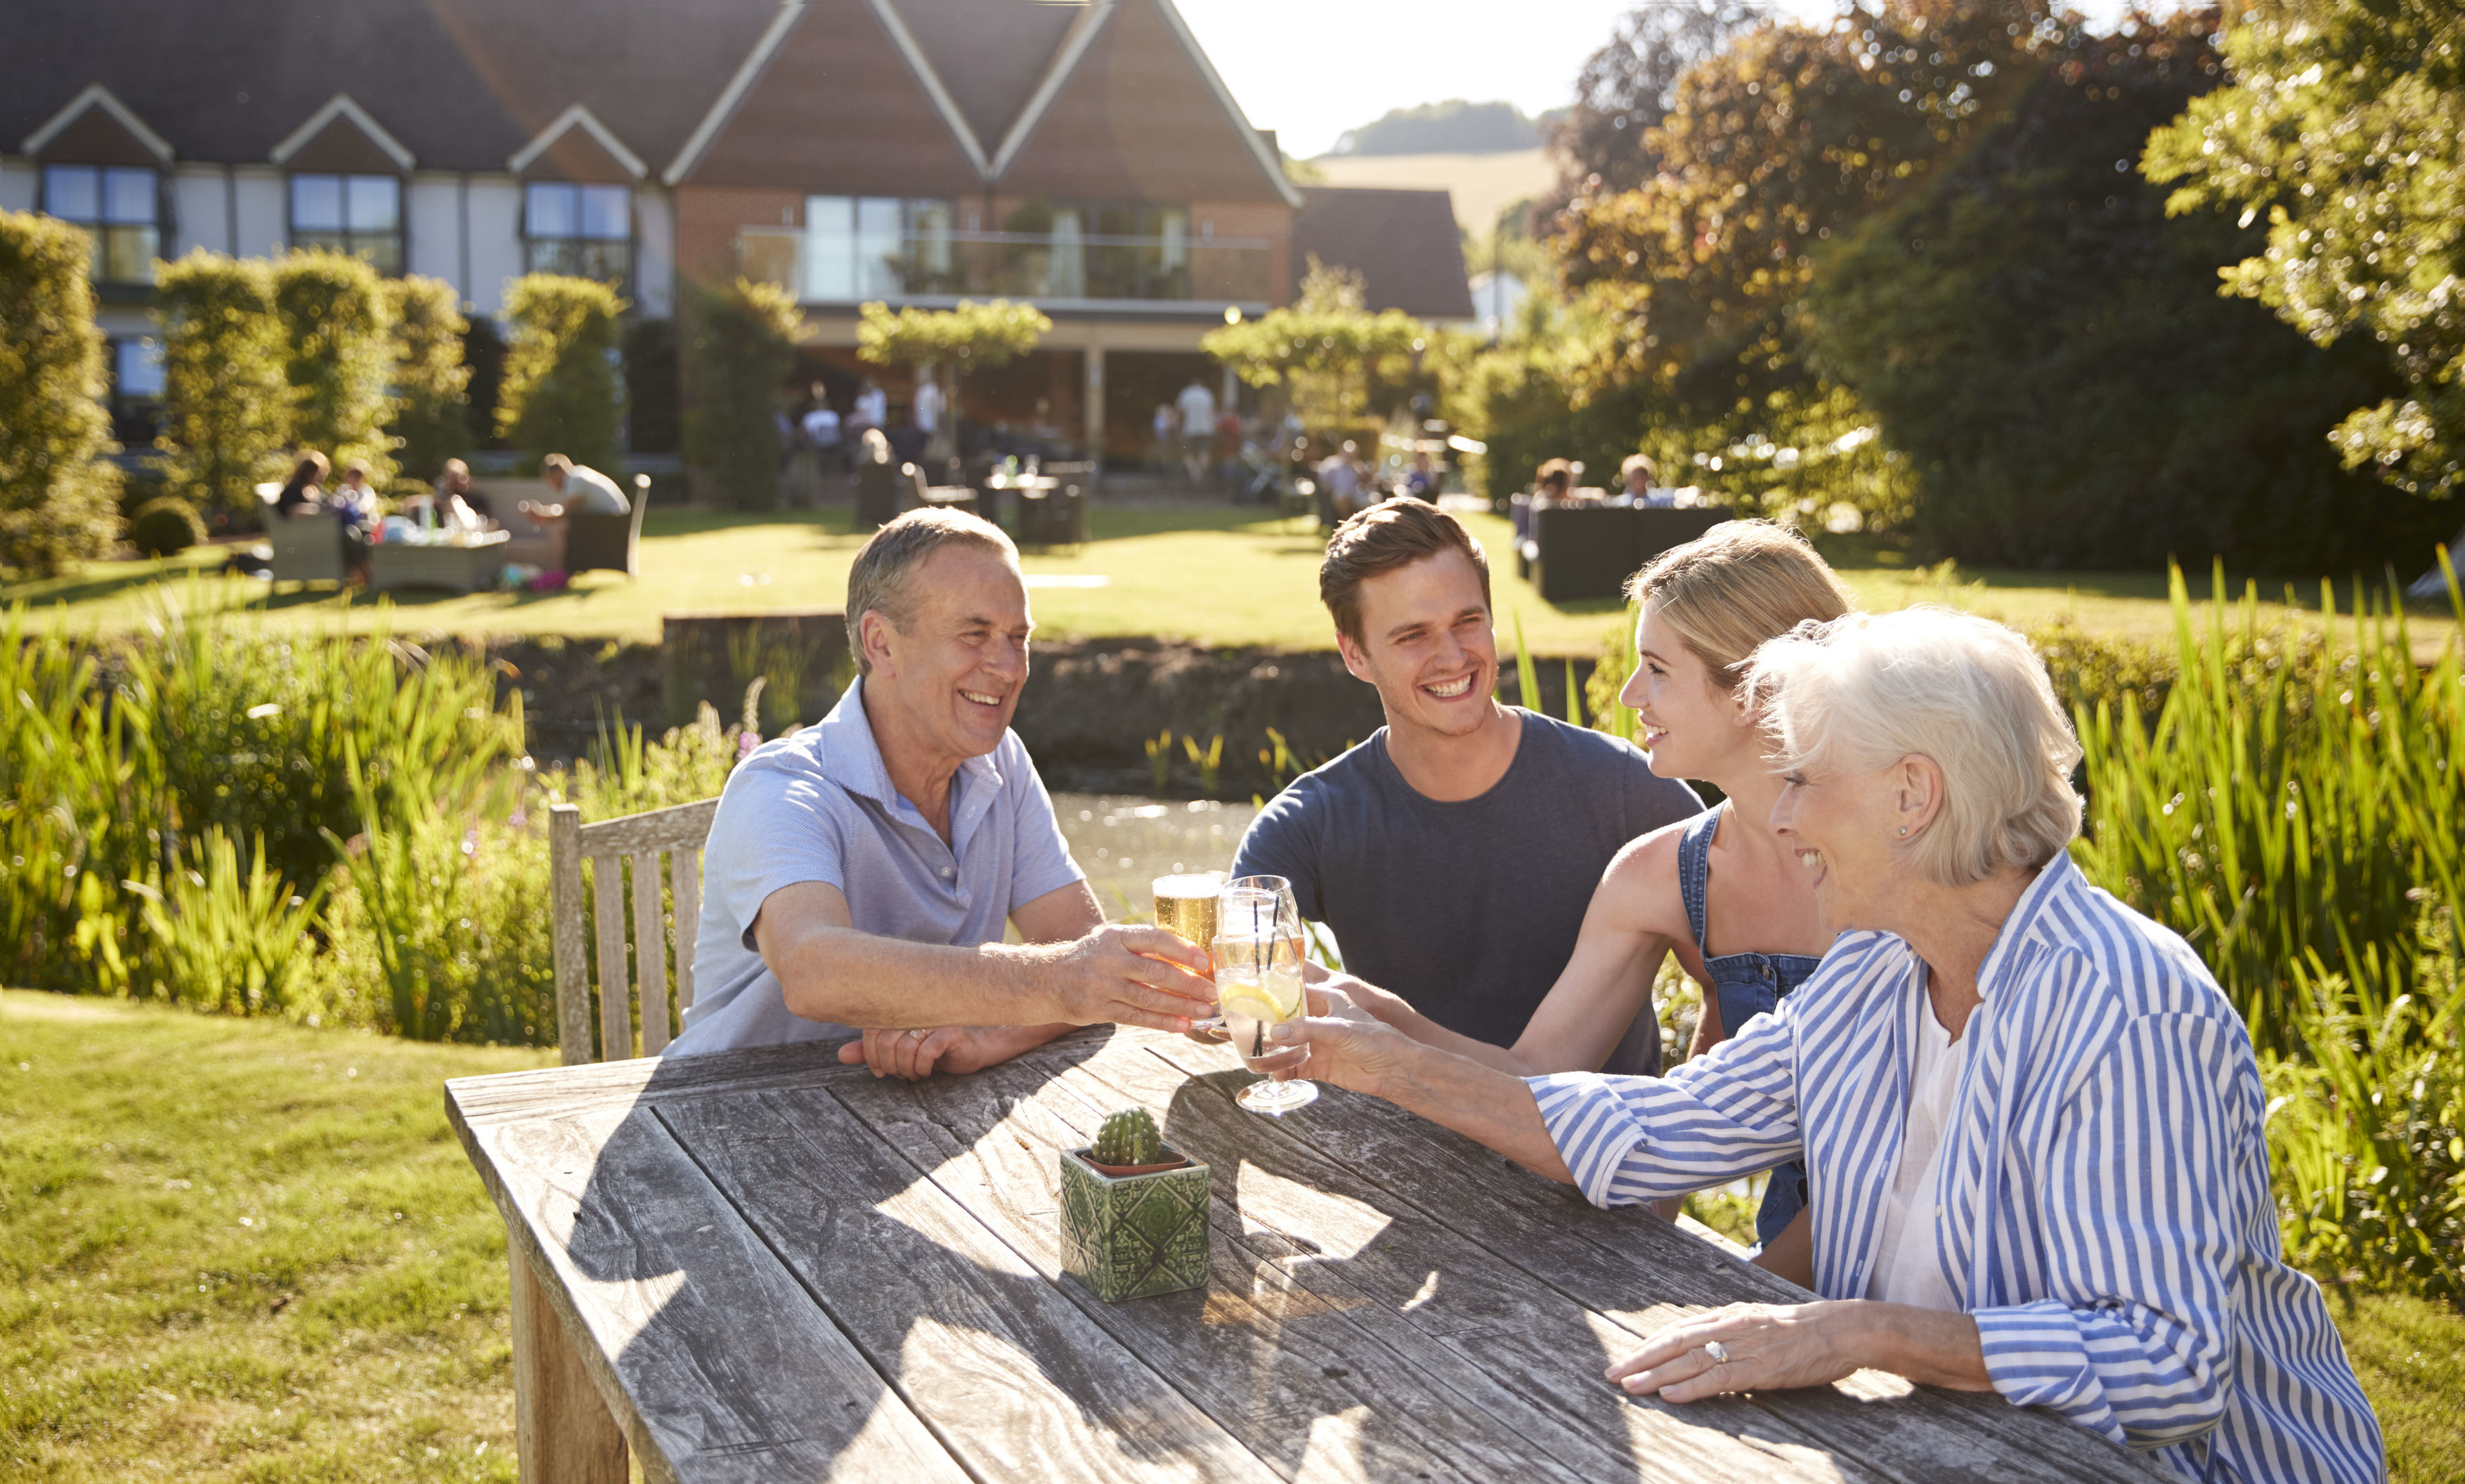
(2104, 1205)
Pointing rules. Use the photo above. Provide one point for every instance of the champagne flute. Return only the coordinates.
(1258, 953)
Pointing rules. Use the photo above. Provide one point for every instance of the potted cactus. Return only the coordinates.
(1133, 1211)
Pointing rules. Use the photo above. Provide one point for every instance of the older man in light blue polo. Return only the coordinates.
(859, 873)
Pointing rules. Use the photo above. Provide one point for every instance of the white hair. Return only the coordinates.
(1865, 691)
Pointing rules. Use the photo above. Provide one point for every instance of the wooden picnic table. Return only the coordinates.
(763, 1265)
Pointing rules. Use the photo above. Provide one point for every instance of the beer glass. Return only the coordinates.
(1185, 904)
(1258, 953)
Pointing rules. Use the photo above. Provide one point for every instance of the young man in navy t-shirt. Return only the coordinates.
(1453, 852)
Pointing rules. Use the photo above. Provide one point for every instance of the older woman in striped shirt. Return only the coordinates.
(2032, 1119)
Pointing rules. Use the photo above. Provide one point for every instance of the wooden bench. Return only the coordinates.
(611, 845)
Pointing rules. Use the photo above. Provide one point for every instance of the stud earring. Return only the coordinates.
(1904, 830)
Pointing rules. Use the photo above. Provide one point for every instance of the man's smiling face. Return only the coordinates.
(1426, 644)
(955, 670)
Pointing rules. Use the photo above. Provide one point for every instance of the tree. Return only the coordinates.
(2345, 130)
(2039, 341)
(226, 401)
(742, 346)
(431, 403)
(59, 498)
(1628, 87)
(958, 339)
(1325, 346)
(339, 356)
(561, 392)
(1772, 149)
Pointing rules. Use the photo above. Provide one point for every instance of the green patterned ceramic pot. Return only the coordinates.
(1126, 1236)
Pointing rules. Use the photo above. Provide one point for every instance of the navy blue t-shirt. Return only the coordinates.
(1470, 909)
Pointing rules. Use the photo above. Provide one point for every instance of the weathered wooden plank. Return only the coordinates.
(1526, 1353)
(1641, 1275)
(678, 826)
(712, 1358)
(684, 890)
(1016, 1380)
(551, 1089)
(650, 951)
(562, 1433)
(565, 911)
(615, 993)
(1289, 1344)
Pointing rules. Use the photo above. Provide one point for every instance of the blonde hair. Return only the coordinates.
(1864, 692)
(1739, 584)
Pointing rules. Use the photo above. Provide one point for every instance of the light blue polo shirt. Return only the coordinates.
(819, 807)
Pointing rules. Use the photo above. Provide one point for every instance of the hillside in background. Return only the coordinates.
(1482, 183)
(1454, 127)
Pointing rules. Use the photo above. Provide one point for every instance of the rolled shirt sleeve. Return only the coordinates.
(1728, 1112)
(2136, 1339)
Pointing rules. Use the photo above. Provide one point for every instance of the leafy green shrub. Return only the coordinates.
(58, 497)
(431, 382)
(560, 392)
(222, 940)
(165, 526)
(740, 346)
(337, 318)
(226, 398)
(2366, 1123)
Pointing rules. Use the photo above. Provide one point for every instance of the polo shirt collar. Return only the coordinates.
(852, 757)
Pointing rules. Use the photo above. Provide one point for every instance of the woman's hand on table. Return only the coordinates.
(1767, 1348)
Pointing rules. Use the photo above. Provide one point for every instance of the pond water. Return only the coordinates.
(1123, 842)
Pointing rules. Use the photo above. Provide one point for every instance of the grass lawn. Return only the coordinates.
(241, 1251)
(1212, 574)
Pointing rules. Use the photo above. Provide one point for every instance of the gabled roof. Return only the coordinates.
(1142, 114)
(459, 84)
(836, 98)
(991, 56)
(582, 121)
(97, 99)
(341, 112)
(1403, 243)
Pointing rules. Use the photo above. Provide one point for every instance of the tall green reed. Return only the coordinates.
(2288, 798)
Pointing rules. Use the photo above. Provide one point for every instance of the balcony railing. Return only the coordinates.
(1047, 269)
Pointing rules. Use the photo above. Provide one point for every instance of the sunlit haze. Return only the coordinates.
(1311, 69)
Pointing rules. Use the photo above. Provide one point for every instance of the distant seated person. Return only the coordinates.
(303, 493)
(907, 441)
(447, 505)
(860, 871)
(1643, 488)
(581, 490)
(354, 502)
(1422, 483)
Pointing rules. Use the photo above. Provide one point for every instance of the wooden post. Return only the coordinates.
(562, 1431)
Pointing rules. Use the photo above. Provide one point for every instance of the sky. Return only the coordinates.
(1311, 69)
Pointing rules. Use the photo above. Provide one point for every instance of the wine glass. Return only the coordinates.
(1258, 953)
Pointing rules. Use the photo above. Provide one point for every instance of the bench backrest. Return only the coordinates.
(611, 845)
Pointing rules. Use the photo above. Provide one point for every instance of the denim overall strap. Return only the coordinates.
(1695, 872)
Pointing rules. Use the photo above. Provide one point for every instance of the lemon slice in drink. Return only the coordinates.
(1254, 1006)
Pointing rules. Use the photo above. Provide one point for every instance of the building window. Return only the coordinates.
(1141, 252)
(587, 230)
(358, 214)
(117, 206)
(876, 247)
(136, 390)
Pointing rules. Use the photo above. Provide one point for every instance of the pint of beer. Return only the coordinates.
(1185, 904)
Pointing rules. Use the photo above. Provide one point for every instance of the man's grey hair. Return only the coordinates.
(878, 582)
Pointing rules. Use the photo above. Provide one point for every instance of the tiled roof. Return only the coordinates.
(1403, 243)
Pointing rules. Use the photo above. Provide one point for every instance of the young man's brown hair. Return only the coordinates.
(1381, 539)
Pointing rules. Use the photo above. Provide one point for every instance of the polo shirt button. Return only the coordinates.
(949, 872)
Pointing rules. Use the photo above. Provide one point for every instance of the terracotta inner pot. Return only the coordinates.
(1116, 1171)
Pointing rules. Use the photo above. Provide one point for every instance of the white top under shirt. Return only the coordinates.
(1907, 1269)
